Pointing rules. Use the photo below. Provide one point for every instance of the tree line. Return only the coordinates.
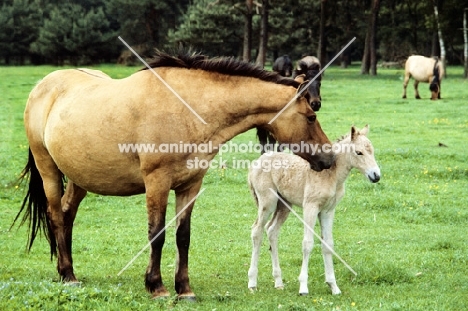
(86, 31)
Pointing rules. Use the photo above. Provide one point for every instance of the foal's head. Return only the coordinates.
(361, 154)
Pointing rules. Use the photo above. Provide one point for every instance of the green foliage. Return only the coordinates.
(19, 24)
(72, 33)
(213, 27)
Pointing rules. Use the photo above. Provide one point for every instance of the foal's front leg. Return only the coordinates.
(310, 217)
(326, 223)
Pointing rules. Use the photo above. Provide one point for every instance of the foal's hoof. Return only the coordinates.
(252, 289)
(303, 294)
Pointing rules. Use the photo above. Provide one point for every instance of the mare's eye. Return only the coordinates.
(358, 152)
(312, 118)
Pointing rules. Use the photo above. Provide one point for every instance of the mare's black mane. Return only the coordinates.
(224, 65)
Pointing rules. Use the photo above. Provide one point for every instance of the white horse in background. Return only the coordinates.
(316, 192)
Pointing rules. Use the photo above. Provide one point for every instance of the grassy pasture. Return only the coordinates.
(407, 236)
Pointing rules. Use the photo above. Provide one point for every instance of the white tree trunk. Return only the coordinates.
(441, 40)
(465, 39)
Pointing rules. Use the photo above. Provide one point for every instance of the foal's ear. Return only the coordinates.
(354, 133)
(365, 130)
(300, 78)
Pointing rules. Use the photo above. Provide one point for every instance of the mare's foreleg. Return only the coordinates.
(326, 223)
(266, 204)
(310, 217)
(157, 192)
(273, 228)
(184, 206)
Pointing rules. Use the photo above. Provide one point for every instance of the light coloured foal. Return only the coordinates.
(317, 192)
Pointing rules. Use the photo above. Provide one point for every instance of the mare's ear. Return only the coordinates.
(365, 130)
(300, 78)
(354, 133)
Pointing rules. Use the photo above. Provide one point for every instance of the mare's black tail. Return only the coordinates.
(34, 207)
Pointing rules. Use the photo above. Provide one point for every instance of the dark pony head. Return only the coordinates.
(283, 66)
(434, 86)
(310, 67)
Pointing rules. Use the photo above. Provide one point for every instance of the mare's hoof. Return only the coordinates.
(279, 287)
(303, 294)
(187, 297)
(161, 295)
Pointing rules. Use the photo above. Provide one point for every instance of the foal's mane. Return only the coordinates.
(224, 65)
(339, 140)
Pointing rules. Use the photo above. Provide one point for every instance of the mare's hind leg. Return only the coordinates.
(273, 228)
(416, 92)
(70, 202)
(60, 219)
(266, 204)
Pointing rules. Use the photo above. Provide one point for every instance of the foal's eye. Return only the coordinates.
(311, 118)
(358, 152)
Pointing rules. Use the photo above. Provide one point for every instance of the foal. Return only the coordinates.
(317, 192)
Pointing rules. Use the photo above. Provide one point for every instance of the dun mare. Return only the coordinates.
(424, 69)
(76, 119)
(317, 192)
(308, 67)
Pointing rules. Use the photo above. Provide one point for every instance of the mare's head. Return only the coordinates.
(309, 66)
(361, 154)
(299, 127)
(434, 86)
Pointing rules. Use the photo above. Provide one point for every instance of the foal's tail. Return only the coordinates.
(35, 207)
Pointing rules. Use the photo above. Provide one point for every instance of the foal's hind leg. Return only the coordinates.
(273, 228)
(266, 204)
(70, 202)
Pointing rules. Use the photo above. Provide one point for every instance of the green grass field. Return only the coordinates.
(407, 236)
